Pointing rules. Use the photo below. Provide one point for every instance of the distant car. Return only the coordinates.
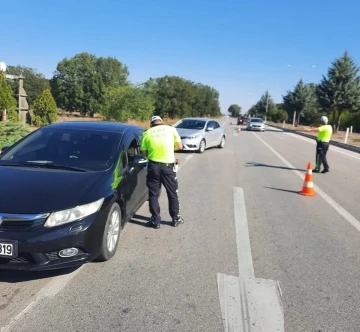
(242, 120)
(256, 124)
(198, 134)
(67, 190)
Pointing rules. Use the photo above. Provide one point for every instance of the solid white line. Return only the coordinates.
(246, 268)
(49, 290)
(337, 207)
(248, 304)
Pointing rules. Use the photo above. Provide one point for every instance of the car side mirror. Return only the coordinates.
(7, 147)
(209, 129)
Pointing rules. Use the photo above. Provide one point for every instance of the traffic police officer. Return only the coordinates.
(322, 144)
(158, 144)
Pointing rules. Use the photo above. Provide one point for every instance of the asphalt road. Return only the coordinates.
(173, 279)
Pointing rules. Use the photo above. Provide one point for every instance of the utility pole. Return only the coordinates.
(267, 104)
(22, 102)
(294, 119)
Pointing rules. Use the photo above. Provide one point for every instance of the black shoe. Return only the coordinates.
(152, 224)
(315, 170)
(325, 171)
(178, 221)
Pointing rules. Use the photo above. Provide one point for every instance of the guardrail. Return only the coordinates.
(335, 143)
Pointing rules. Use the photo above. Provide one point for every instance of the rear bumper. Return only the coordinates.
(39, 250)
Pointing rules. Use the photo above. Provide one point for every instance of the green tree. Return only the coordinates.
(178, 97)
(174, 97)
(206, 101)
(234, 110)
(340, 90)
(279, 115)
(265, 106)
(80, 83)
(300, 100)
(252, 112)
(45, 110)
(11, 132)
(34, 82)
(7, 101)
(128, 102)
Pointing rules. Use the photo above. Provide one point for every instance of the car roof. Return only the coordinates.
(96, 125)
(201, 119)
(256, 118)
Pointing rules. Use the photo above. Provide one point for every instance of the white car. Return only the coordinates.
(199, 134)
(256, 124)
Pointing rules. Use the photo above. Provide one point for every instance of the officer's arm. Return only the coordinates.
(143, 147)
(177, 139)
(178, 146)
(314, 129)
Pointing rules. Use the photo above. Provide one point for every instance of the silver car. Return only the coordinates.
(198, 134)
(256, 124)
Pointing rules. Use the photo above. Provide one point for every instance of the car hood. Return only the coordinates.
(34, 190)
(188, 132)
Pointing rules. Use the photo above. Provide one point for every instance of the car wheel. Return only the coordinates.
(111, 235)
(202, 146)
(222, 142)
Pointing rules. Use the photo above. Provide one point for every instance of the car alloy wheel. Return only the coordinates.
(202, 146)
(111, 234)
(113, 231)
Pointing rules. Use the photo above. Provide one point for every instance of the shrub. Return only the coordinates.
(11, 132)
(7, 100)
(278, 115)
(45, 110)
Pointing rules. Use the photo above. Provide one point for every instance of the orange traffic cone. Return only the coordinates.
(308, 186)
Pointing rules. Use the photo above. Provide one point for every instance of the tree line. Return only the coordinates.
(93, 85)
(337, 95)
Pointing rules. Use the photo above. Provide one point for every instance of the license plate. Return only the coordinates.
(7, 249)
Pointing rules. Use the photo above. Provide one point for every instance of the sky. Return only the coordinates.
(239, 47)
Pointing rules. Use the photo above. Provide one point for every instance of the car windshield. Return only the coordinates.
(191, 124)
(89, 150)
(256, 120)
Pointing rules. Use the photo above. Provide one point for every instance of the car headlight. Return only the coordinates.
(76, 213)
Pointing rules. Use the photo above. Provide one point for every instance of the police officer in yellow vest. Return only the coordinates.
(158, 144)
(323, 140)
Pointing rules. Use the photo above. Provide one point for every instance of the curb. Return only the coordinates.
(334, 143)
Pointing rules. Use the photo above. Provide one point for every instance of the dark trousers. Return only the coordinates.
(162, 174)
(321, 151)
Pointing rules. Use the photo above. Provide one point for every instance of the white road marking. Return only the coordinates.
(58, 283)
(243, 246)
(337, 207)
(187, 158)
(248, 304)
(48, 291)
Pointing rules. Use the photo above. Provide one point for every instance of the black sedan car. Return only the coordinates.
(66, 191)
